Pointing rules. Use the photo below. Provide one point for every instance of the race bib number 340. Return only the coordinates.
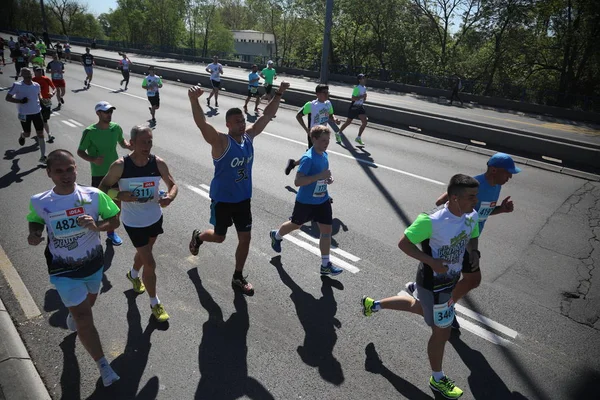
(443, 314)
(64, 223)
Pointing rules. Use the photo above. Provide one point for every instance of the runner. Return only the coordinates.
(357, 110)
(253, 79)
(445, 235)
(268, 74)
(138, 176)
(312, 200)
(26, 94)
(46, 100)
(11, 44)
(215, 70)
(152, 83)
(59, 50)
(98, 146)
(42, 48)
(87, 60)
(68, 51)
(21, 60)
(124, 66)
(2, 45)
(231, 187)
(500, 169)
(38, 60)
(57, 70)
(74, 254)
(320, 112)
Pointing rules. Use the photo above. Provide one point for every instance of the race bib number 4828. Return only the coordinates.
(64, 223)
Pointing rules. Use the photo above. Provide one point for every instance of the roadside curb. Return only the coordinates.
(19, 379)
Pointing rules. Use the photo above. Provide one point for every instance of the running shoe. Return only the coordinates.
(62, 100)
(109, 376)
(159, 313)
(50, 139)
(338, 138)
(208, 102)
(115, 239)
(195, 243)
(446, 387)
(367, 306)
(410, 288)
(290, 166)
(216, 104)
(242, 284)
(43, 160)
(331, 269)
(138, 285)
(21, 140)
(121, 84)
(359, 141)
(275, 243)
(85, 83)
(71, 323)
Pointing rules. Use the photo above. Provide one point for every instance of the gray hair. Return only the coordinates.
(136, 130)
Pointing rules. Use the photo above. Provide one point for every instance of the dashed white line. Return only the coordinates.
(338, 262)
(481, 332)
(126, 94)
(486, 321)
(203, 186)
(334, 249)
(198, 191)
(69, 124)
(75, 122)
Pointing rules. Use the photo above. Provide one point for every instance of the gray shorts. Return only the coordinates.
(426, 298)
(89, 70)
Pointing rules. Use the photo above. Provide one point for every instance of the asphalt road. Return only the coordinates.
(300, 336)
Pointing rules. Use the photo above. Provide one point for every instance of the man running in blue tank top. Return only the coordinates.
(231, 187)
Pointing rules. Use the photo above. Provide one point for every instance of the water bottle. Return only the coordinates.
(161, 195)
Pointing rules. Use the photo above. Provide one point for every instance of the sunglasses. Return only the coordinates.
(107, 112)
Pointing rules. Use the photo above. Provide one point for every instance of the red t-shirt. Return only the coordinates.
(45, 85)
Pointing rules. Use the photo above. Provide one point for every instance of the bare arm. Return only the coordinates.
(209, 133)
(269, 113)
(305, 180)
(411, 250)
(126, 144)
(166, 176)
(35, 233)
(112, 177)
(11, 99)
(300, 119)
(85, 156)
(442, 199)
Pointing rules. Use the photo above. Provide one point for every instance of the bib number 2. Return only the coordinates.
(443, 314)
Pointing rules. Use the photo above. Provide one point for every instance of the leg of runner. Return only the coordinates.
(241, 255)
(338, 134)
(246, 103)
(363, 125)
(144, 258)
(277, 235)
(216, 92)
(257, 102)
(39, 130)
(327, 268)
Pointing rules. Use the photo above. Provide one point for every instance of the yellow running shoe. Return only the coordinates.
(446, 387)
(138, 285)
(159, 313)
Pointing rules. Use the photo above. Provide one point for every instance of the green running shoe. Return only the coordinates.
(359, 141)
(446, 388)
(367, 306)
(138, 285)
(338, 138)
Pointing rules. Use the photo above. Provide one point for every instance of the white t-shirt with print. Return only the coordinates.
(20, 90)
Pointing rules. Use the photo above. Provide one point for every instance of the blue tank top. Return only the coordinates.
(232, 182)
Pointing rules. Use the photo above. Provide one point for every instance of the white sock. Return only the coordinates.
(102, 363)
(154, 301)
(42, 144)
(134, 273)
(278, 235)
(437, 375)
(325, 260)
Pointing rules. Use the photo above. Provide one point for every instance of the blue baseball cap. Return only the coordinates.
(504, 161)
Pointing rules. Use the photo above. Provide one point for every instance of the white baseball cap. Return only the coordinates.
(270, 62)
(104, 106)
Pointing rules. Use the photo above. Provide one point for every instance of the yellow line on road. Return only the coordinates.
(30, 309)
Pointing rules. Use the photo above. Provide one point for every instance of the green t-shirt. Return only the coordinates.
(39, 60)
(101, 142)
(41, 47)
(269, 75)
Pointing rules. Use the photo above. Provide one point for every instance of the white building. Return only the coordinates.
(253, 43)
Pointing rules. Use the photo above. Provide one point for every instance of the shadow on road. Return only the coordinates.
(52, 302)
(11, 154)
(317, 317)
(223, 351)
(109, 254)
(314, 231)
(14, 176)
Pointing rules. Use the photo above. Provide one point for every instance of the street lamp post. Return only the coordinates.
(326, 41)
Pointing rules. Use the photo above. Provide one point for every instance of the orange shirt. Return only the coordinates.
(45, 85)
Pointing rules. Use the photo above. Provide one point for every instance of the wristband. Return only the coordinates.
(278, 94)
(113, 194)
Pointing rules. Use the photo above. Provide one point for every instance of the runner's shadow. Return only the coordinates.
(484, 382)
(317, 317)
(11, 154)
(223, 352)
(130, 365)
(118, 91)
(251, 117)
(374, 365)
(109, 254)
(212, 111)
(314, 231)
(291, 189)
(78, 90)
(70, 379)
(52, 302)
(14, 176)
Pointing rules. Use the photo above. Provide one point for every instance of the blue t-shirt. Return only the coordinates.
(232, 182)
(313, 163)
(253, 75)
(487, 198)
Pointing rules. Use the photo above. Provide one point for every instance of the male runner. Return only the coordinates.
(253, 79)
(445, 235)
(57, 70)
(26, 94)
(68, 52)
(320, 112)
(500, 169)
(268, 74)
(47, 91)
(21, 60)
(124, 65)
(138, 176)
(312, 200)
(231, 187)
(42, 48)
(87, 60)
(357, 110)
(74, 254)
(152, 83)
(215, 70)
(98, 146)
(38, 60)
(59, 50)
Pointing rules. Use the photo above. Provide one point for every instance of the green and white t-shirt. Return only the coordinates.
(151, 83)
(72, 251)
(442, 235)
(359, 90)
(318, 113)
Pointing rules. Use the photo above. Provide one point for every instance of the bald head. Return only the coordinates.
(59, 155)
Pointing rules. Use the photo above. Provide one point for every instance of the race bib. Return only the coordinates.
(57, 75)
(151, 93)
(144, 191)
(22, 117)
(88, 62)
(486, 209)
(323, 120)
(253, 89)
(20, 59)
(443, 314)
(320, 188)
(64, 223)
(46, 102)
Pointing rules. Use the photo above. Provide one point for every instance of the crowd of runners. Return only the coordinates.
(127, 191)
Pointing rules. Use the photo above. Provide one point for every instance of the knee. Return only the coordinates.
(440, 335)
(219, 238)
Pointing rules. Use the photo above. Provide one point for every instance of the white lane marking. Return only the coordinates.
(117, 92)
(55, 113)
(30, 309)
(70, 124)
(198, 190)
(203, 186)
(338, 262)
(363, 161)
(75, 122)
(341, 252)
(486, 321)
